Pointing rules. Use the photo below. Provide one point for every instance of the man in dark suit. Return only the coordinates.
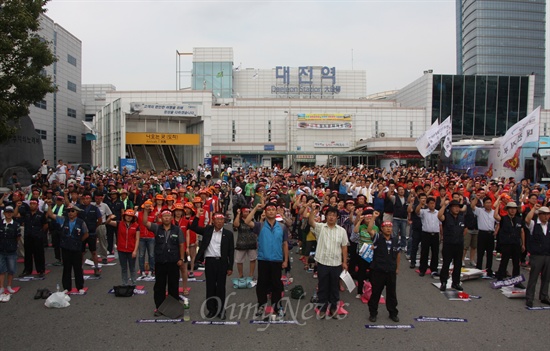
(217, 250)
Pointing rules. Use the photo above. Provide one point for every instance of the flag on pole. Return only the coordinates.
(522, 132)
(220, 74)
(422, 143)
(428, 141)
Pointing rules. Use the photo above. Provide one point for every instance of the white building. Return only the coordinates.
(289, 116)
(58, 118)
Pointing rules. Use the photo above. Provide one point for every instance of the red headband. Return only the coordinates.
(387, 224)
(218, 215)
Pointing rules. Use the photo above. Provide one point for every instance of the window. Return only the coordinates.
(71, 60)
(71, 139)
(71, 86)
(71, 112)
(43, 134)
(89, 118)
(41, 104)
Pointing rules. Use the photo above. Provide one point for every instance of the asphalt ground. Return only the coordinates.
(101, 321)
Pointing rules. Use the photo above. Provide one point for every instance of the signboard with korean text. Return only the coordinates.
(315, 82)
(324, 116)
(321, 125)
(332, 144)
(162, 139)
(152, 109)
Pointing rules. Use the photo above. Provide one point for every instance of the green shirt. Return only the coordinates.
(364, 236)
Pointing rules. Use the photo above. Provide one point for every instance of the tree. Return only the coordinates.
(23, 56)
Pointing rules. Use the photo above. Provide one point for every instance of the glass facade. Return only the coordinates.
(215, 76)
(503, 37)
(482, 106)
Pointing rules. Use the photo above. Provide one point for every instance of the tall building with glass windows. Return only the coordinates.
(502, 38)
(58, 117)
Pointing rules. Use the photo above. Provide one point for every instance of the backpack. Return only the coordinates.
(297, 292)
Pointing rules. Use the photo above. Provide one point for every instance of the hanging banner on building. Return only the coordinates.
(324, 117)
(162, 138)
(129, 164)
(147, 109)
(339, 126)
(332, 144)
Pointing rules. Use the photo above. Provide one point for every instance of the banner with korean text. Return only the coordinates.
(523, 131)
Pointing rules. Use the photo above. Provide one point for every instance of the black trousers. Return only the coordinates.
(215, 271)
(451, 252)
(56, 238)
(72, 262)
(269, 280)
(329, 286)
(362, 274)
(111, 233)
(429, 241)
(168, 272)
(354, 260)
(416, 237)
(379, 280)
(485, 245)
(34, 250)
(508, 251)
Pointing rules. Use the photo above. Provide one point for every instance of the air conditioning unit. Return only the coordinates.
(381, 135)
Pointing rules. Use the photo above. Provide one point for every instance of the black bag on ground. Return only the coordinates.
(124, 290)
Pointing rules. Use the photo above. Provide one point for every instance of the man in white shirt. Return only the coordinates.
(486, 224)
(331, 257)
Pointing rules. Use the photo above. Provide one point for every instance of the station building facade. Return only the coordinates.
(286, 116)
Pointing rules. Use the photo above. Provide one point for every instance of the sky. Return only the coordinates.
(132, 44)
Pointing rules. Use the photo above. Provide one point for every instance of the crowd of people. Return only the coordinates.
(174, 222)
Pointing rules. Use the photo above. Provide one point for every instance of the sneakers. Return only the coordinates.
(434, 274)
(395, 319)
(41, 275)
(412, 266)
(529, 303)
(443, 286)
(82, 291)
(191, 275)
(57, 263)
(104, 261)
(24, 274)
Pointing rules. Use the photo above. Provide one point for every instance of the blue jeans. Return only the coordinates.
(125, 259)
(400, 229)
(8, 261)
(147, 244)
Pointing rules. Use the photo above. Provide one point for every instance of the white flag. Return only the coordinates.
(523, 131)
(422, 143)
(435, 134)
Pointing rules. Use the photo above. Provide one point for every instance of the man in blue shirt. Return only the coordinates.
(272, 256)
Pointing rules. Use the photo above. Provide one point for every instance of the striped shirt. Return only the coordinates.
(329, 244)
